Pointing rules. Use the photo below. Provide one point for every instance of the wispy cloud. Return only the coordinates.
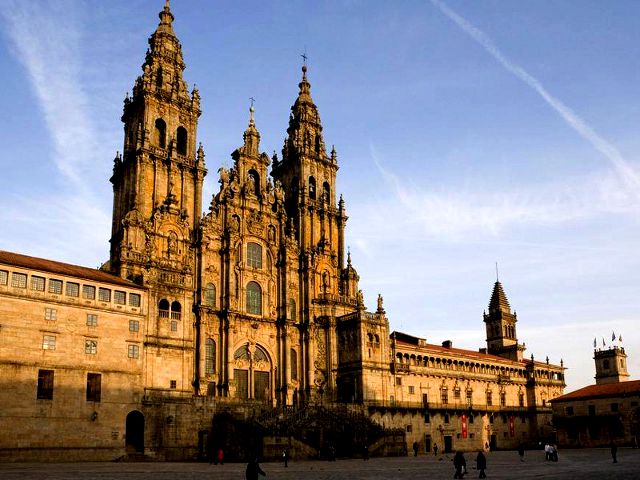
(627, 173)
(452, 214)
(47, 41)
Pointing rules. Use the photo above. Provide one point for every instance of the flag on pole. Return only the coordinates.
(603, 344)
(595, 344)
(613, 336)
(620, 339)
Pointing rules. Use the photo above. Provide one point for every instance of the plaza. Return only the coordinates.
(591, 463)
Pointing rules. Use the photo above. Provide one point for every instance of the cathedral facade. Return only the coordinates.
(251, 303)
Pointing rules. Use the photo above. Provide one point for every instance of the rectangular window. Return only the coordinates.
(104, 294)
(592, 410)
(19, 280)
(89, 292)
(4, 277)
(134, 326)
(50, 314)
(444, 395)
(412, 390)
(119, 298)
(254, 255)
(90, 347)
(173, 384)
(45, 385)
(521, 399)
(133, 351)
(134, 300)
(504, 418)
(490, 418)
(489, 398)
(569, 411)
(427, 417)
(503, 399)
(73, 289)
(92, 320)
(48, 342)
(174, 326)
(469, 396)
(398, 380)
(409, 428)
(55, 286)
(94, 387)
(471, 418)
(456, 393)
(37, 283)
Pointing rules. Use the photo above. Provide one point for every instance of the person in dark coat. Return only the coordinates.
(521, 452)
(435, 449)
(614, 452)
(285, 457)
(253, 470)
(415, 449)
(460, 464)
(481, 464)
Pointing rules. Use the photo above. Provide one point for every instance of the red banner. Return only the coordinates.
(465, 431)
(512, 426)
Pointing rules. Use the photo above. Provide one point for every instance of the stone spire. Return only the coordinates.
(304, 135)
(499, 302)
(164, 64)
(251, 137)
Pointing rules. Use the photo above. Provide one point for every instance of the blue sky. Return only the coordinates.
(467, 133)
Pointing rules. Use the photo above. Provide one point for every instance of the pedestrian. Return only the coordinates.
(415, 449)
(365, 453)
(554, 452)
(460, 464)
(521, 452)
(547, 451)
(634, 443)
(435, 449)
(285, 457)
(481, 464)
(614, 452)
(253, 470)
(220, 457)
(486, 447)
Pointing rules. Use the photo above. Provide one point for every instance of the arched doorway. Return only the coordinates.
(134, 432)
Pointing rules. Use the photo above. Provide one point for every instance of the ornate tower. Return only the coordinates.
(157, 186)
(308, 176)
(611, 365)
(501, 326)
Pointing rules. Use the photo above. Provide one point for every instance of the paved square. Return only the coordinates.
(595, 463)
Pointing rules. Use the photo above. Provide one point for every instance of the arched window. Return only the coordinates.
(176, 310)
(254, 255)
(254, 298)
(161, 133)
(292, 309)
(159, 78)
(312, 188)
(210, 357)
(254, 182)
(181, 141)
(163, 308)
(326, 193)
(294, 364)
(210, 295)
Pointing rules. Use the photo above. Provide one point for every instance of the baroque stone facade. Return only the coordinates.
(251, 303)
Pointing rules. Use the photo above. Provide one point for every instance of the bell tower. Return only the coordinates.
(501, 326)
(611, 365)
(157, 181)
(157, 205)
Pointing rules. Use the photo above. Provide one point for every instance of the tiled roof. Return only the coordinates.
(455, 351)
(50, 266)
(620, 389)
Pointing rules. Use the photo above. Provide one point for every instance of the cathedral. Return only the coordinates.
(250, 308)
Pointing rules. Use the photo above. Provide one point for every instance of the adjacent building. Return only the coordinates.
(596, 415)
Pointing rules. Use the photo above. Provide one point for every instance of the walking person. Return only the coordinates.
(521, 452)
(285, 457)
(614, 452)
(415, 449)
(253, 470)
(481, 464)
(460, 464)
(220, 458)
(435, 449)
